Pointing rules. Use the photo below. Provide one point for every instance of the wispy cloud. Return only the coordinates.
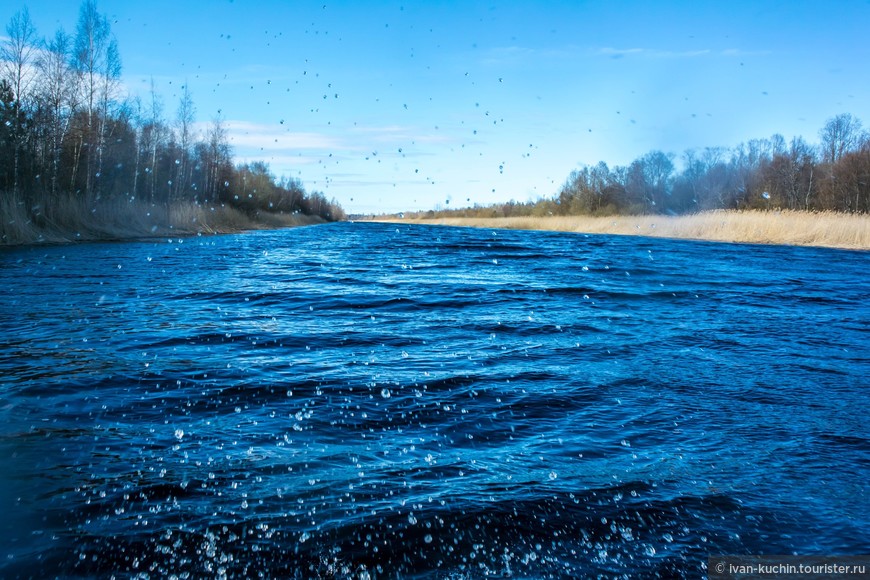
(619, 52)
(276, 137)
(741, 52)
(511, 55)
(271, 137)
(653, 53)
(675, 54)
(397, 134)
(282, 164)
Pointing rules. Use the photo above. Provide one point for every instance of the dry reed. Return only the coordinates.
(824, 229)
(66, 219)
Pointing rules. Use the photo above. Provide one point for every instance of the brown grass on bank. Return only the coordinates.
(825, 229)
(67, 219)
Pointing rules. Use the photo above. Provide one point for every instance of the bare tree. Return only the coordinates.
(97, 60)
(218, 157)
(18, 55)
(840, 135)
(58, 97)
(803, 156)
(185, 119)
(110, 82)
(138, 126)
(62, 119)
(789, 176)
(706, 182)
(650, 179)
(153, 138)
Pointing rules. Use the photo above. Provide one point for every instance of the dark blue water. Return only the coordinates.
(381, 401)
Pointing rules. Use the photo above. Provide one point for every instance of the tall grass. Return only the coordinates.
(825, 229)
(65, 219)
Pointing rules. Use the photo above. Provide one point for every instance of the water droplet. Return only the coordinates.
(385, 393)
(179, 434)
(553, 475)
(427, 538)
(411, 519)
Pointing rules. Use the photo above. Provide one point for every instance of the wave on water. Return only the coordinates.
(381, 401)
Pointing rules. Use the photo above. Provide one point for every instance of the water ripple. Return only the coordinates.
(366, 400)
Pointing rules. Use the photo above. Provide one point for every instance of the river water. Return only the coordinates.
(384, 401)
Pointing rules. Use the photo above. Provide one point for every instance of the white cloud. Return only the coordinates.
(741, 52)
(398, 134)
(271, 137)
(507, 55)
(510, 55)
(656, 53)
(652, 53)
(619, 52)
(279, 162)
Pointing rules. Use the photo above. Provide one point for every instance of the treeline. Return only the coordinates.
(67, 131)
(773, 173)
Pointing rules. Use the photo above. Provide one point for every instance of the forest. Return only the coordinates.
(76, 151)
(762, 174)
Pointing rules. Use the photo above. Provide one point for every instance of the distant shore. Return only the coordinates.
(67, 221)
(824, 229)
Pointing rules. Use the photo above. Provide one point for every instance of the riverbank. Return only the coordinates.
(68, 220)
(825, 229)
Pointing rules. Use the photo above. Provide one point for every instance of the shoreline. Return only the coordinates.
(71, 223)
(158, 236)
(792, 228)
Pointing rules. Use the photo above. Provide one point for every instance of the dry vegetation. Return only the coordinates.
(68, 219)
(826, 229)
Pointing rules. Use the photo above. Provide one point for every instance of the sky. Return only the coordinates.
(409, 105)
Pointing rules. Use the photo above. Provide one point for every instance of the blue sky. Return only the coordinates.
(389, 106)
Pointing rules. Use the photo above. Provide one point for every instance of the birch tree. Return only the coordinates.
(18, 56)
(58, 98)
(185, 119)
(97, 60)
